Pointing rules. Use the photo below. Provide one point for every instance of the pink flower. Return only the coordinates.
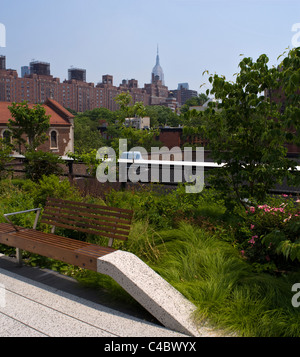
(284, 195)
(252, 209)
(252, 226)
(242, 252)
(252, 240)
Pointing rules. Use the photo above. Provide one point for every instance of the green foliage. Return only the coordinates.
(31, 122)
(192, 243)
(195, 101)
(161, 115)
(89, 159)
(86, 136)
(136, 138)
(5, 150)
(86, 129)
(223, 286)
(40, 163)
(50, 186)
(123, 100)
(269, 235)
(248, 132)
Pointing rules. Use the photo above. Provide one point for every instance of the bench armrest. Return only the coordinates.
(38, 211)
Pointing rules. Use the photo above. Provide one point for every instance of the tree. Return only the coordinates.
(86, 133)
(136, 138)
(40, 163)
(124, 99)
(139, 109)
(30, 122)
(161, 115)
(5, 158)
(249, 132)
(194, 101)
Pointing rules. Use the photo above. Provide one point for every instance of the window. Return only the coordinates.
(6, 134)
(53, 140)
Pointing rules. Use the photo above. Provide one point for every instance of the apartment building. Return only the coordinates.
(36, 85)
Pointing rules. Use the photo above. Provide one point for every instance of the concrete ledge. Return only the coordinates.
(154, 293)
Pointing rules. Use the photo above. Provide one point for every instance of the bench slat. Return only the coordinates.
(100, 229)
(79, 229)
(89, 205)
(87, 228)
(52, 239)
(78, 257)
(87, 217)
(86, 210)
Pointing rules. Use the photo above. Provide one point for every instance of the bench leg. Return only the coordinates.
(154, 293)
(19, 255)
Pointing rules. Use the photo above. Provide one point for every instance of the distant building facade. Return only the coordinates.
(138, 123)
(36, 84)
(183, 93)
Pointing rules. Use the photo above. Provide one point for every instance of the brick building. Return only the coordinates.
(183, 93)
(60, 133)
(74, 93)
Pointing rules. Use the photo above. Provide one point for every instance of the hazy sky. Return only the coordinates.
(120, 37)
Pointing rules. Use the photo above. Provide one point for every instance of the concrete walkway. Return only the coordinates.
(38, 303)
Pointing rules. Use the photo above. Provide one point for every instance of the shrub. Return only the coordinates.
(270, 234)
(5, 150)
(40, 163)
(50, 186)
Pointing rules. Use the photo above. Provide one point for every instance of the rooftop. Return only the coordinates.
(58, 114)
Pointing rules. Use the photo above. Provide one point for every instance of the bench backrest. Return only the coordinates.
(109, 222)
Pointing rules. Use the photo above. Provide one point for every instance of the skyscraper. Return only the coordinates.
(157, 72)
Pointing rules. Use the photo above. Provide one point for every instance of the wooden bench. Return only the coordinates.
(106, 222)
(164, 302)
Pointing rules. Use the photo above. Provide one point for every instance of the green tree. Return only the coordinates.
(250, 131)
(86, 135)
(5, 158)
(161, 115)
(123, 100)
(30, 122)
(142, 138)
(40, 163)
(139, 109)
(194, 101)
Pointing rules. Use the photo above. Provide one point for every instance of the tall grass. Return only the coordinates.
(222, 285)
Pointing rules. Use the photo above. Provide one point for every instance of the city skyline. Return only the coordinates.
(120, 37)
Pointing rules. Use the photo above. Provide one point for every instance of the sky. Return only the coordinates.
(120, 37)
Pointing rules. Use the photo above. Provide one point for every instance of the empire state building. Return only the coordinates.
(157, 71)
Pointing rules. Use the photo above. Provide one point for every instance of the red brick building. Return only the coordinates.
(60, 133)
(74, 93)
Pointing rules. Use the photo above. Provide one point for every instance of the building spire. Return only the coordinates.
(157, 71)
(157, 56)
